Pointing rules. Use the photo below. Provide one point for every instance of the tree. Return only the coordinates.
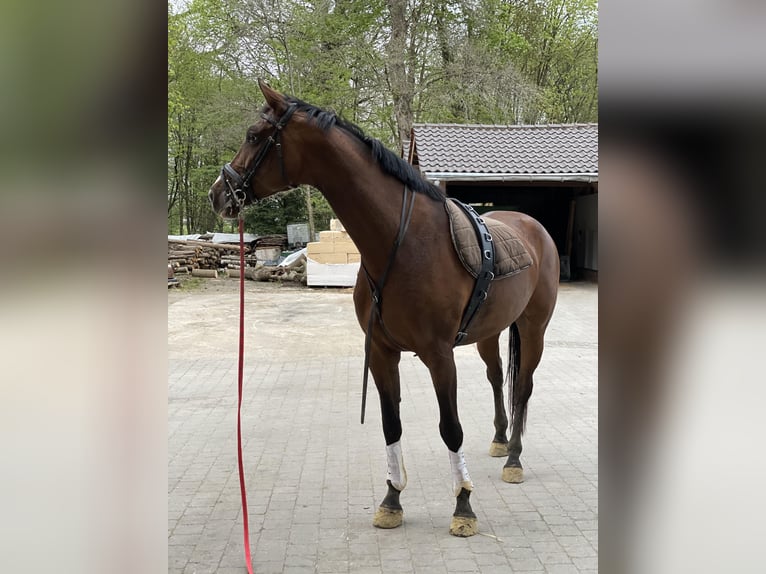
(400, 80)
(382, 64)
(553, 44)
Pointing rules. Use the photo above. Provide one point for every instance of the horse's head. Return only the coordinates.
(258, 168)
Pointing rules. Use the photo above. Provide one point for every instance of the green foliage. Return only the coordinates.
(322, 211)
(553, 44)
(464, 61)
(275, 213)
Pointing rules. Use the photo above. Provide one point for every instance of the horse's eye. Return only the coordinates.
(251, 138)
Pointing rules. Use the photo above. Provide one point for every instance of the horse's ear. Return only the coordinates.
(275, 100)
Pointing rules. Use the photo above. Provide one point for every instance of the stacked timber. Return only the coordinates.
(185, 256)
(231, 261)
(270, 247)
(202, 258)
(293, 269)
(277, 240)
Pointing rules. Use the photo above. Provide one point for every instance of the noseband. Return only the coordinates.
(238, 186)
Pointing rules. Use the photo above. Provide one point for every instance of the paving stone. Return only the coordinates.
(526, 565)
(562, 569)
(462, 565)
(589, 563)
(315, 476)
(549, 558)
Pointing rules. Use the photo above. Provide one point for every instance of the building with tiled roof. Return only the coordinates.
(547, 171)
(523, 153)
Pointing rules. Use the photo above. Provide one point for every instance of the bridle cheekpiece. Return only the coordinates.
(238, 187)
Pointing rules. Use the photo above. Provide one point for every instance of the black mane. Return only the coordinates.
(389, 162)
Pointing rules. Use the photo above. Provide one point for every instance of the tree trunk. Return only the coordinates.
(396, 51)
(310, 209)
(443, 35)
(187, 188)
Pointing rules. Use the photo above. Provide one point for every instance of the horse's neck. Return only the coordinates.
(367, 201)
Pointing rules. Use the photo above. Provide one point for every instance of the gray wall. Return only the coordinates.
(586, 232)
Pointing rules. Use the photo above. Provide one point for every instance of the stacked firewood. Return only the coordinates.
(278, 240)
(187, 256)
(231, 260)
(207, 259)
(295, 272)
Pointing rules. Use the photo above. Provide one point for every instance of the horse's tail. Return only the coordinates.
(512, 374)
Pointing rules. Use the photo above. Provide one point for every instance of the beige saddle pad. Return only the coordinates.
(511, 256)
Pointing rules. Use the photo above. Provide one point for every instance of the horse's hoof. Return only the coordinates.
(463, 526)
(498, 449)
(387, 518)
(513, 474)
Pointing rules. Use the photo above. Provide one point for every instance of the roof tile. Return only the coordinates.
(521, 149)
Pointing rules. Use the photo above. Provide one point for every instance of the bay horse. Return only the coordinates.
(419, 307)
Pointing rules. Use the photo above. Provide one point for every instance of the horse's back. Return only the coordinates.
(527, 229)
(543, 250)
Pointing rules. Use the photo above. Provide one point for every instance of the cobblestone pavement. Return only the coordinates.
(315, 475)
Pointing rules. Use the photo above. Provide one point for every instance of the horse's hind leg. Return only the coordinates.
(531, 350)
(384, 365)
(489, 351)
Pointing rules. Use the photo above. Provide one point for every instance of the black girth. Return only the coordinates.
(485, 275)
(376, 289)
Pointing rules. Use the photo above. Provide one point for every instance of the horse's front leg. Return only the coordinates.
(384, 364)
(444, 377)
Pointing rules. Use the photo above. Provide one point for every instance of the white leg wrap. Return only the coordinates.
(460, 476)
(395, 462)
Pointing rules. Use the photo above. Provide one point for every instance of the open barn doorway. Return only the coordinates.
(565, 210)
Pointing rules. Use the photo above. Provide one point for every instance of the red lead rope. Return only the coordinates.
(242, 490)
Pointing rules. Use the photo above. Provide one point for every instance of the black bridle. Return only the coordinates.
(238, 187)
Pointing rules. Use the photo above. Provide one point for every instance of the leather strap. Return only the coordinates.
(239, 183)
(485, 275)
(376, 289)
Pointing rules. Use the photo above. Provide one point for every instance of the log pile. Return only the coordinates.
(206, 259)
(187, 255)
(172, 281)
(231, 261)
(296, 273)
(278, 240)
